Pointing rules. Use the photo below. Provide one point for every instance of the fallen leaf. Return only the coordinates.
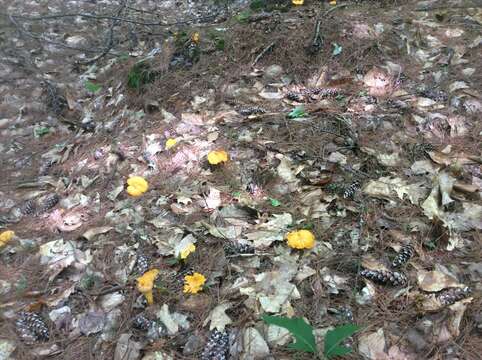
(93, 232)
(218, 317)
(126, 348)
(254, 345)
(372, 346)
(435, 281)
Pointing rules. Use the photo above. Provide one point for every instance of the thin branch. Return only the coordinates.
(110, 42)
(262, 53)
(48, 41)
(115, 18)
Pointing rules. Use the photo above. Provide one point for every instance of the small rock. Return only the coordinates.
(76, 40)
(337, 158)
(273, 72)
(60, 317)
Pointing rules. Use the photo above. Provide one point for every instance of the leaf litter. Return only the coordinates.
(313, 195)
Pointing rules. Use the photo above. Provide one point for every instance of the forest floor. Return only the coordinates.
(257, 127)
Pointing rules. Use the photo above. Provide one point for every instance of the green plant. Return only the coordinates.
(243, 16)
(297, 112)
(305, 340)
(299, 328)
(274, 202)
(92, 87)
(257, 5)
(41, 131)
(335, 337)
(218, 39)
(139, 75)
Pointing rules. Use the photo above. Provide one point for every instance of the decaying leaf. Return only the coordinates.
(93, 232)
(372, 346)
(273, 230)
(218, 317)
(172, 321)
(387, 187)
(436, 280)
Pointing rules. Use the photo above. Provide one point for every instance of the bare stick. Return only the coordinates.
(262, 53)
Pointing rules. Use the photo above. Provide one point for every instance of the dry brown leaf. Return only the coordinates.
(372, 346)
(447, 160)
(463, 187)
(433, 281)
(378, 82)
(370, 263)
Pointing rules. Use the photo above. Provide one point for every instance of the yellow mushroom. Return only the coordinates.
(145, 283)
(217, 157)
(194, 283)
(5, 237)
(301, 239)
(137, 186)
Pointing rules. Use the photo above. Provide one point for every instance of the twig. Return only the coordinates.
(48, 41)
(110, 17)
(262, 53)
(334, 8)
(110, 42)
(475, 5)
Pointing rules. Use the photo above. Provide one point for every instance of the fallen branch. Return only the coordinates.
(262, 53)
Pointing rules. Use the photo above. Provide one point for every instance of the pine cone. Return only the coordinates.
(451, 296)
(405, 254)
(419, 151)
(142, 264)
(393, 278)
(238, 249)
(246, 111)
(140, 322)
(294, 96)
(48, 203)
(31, 327)
(350, 190)
(436, 95)
(45, 167)
(28, 207)
(327, 92)
(217, 347)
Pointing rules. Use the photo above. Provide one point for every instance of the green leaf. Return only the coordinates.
(172, 261)
(337, 49)
(93, 88)
(274, 202)
(334, 337)
(297, 112)
(299, 328)
(243, 16)
(41, 131)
